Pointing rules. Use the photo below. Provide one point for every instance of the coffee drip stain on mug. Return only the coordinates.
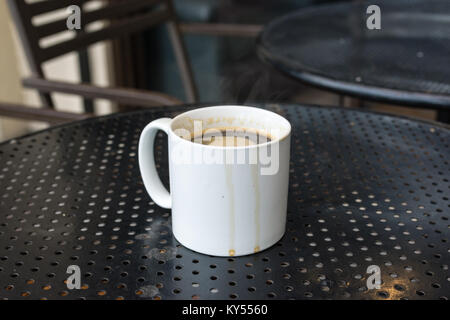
(255, 180)
(229, 182)
(256, 211)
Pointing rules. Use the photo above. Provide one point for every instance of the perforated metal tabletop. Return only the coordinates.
(365, 189)
(405, 62)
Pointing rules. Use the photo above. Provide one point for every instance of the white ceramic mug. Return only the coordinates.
(224, 203)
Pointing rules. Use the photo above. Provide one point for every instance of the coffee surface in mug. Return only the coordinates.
(231, 137)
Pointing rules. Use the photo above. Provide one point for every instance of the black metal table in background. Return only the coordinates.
(405, 62)
(365, 189)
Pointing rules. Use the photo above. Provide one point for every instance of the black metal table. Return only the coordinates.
(365, 189)
(405, 62)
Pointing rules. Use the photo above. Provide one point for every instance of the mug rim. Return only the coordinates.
(264, 144)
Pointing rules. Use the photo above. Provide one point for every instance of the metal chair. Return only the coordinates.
(124, 17)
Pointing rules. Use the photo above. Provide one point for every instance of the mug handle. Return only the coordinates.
(152, 182)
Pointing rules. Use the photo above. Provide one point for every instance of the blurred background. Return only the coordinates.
(225, 66)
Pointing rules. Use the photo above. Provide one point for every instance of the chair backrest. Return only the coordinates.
(124, 17)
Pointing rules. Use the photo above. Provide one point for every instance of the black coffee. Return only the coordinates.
(231, 137)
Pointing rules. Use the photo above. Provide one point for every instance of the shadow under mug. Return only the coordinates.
(225, 201)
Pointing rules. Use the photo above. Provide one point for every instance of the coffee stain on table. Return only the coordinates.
(142, 236)
(148, 291)
(162, 254)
